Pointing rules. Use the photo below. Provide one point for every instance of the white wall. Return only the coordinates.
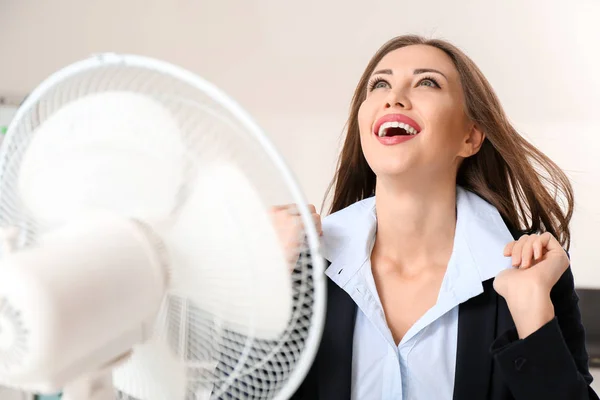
(310, 146)
(294, 67)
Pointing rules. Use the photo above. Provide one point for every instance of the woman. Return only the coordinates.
(447, 273)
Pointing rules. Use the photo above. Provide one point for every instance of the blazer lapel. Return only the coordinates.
(476, 331)
(334, 365)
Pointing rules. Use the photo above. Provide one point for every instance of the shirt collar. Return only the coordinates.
(480, 238)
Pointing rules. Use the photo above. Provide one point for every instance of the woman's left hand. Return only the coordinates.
(538, 262)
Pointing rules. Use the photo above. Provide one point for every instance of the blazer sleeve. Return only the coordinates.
(551, 363)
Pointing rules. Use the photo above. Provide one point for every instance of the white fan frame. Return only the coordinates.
(216, 94)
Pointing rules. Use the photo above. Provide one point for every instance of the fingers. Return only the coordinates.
(282, 207)
(317, 221)
(538, 246)
(290, 229)
(293, 208)
(527, 251)
(549, 242)
(290, 212)
(509, 249)
(517, 250)
(530, 249)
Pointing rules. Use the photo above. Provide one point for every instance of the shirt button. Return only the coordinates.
(519, 363)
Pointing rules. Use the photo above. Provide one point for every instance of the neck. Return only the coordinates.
(415, 227)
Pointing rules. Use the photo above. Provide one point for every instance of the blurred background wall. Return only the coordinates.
(294, 66)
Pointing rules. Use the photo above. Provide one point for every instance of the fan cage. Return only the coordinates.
(221, 364)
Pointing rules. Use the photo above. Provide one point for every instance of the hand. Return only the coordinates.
(290, 230)
(538, 261)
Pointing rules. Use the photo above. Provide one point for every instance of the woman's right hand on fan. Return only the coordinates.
(289, 227)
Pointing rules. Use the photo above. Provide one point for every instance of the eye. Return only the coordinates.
(378, 83)
(429, 81)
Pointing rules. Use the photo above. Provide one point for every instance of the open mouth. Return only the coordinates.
(393, 128)
(398, 126)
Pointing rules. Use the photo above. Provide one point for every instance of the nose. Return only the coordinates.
(395, 104)
(397, 100)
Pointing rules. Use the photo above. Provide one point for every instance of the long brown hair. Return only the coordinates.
(528, 189)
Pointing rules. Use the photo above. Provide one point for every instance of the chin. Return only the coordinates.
(392, 169)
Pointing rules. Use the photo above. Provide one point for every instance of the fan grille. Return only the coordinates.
(13, 336)
(221, 364)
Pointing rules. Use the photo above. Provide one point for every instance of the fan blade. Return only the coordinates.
(152, 373)
(227, 257)
(118, 151)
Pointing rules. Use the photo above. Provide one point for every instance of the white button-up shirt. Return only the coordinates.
(422, 365)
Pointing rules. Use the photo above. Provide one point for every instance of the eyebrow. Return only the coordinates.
(417, 71)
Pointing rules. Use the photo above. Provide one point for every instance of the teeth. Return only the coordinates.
(394, 124)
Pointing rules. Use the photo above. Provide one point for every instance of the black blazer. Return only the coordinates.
(492, 363)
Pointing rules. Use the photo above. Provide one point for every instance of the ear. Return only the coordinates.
(472, 142)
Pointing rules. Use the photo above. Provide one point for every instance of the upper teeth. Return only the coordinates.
(393, 124)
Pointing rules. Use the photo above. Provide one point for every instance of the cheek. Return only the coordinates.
(448, 126)
(368, 112)
(365, 120)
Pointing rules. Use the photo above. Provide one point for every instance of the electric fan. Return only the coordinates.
(139, 257)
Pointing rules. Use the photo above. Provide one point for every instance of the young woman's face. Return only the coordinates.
(413, 121)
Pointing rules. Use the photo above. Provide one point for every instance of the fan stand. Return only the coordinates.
(94, 387)
(97, 386)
